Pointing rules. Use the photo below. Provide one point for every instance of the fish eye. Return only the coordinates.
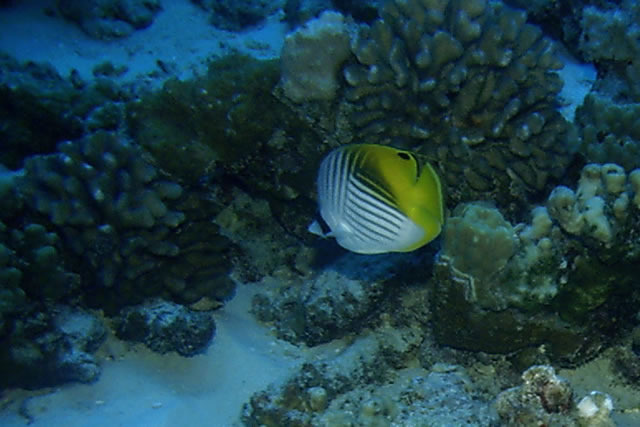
(403, 156)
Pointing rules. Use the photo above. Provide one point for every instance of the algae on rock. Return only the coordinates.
(193, 127)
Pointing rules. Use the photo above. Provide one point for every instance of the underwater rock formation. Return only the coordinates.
(226, 131)
(470, 84)
(415, 397)
(164, 326)
(297, 12)
(47, 348)
(334, 302)
(39, 108)
(608, 120)
(306, 396)
(626, 358)
(34, 110)
(43, 341)
(236, 15)
(109, 19)
(545, 398)
(550, 282)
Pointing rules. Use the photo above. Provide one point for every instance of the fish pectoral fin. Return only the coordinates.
(320, 228)
(314, 228)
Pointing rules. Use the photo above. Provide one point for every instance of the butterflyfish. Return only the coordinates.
(375, 199)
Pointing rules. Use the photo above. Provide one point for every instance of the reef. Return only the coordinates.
(335, 302)
(608, 37)
(109, 19)
(470, 84)
(123, 223)
(194, 127)
(550, 282)
(40, 108)
(610, 130)
(545, 398)
(236, 15)
(361, 385)
(148, 204)
(225, 131)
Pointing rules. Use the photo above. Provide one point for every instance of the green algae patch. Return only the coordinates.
(192, 126)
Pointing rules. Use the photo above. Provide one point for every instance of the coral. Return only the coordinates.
(611, 34)
(311, 57)
(470, 84)
(163, 326)
(543, 399)
(610, 130)
(582, 213)
(360, 11)
(625, 360)
(43, 341)
(236, 15)
(608, 34)
(553, 281)
(254, 228)
(478, 241)
(31, 253)
(34, 110)
(108, 19)
(534, 6)
(194, 127)
(39, 108)
(594, 410)
(122, 223)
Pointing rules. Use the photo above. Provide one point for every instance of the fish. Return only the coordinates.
(376, 199)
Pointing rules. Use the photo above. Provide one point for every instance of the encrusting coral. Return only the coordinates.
(548, 282)
(311, 57)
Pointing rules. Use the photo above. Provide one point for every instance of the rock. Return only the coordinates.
(109, 19)
(53, 348)
(164, 326)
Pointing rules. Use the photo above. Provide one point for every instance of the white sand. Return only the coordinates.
(140, 388)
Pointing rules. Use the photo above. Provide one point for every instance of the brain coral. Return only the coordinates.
(469, 83)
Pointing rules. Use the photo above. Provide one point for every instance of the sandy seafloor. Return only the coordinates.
(138, 387)
(141, 388)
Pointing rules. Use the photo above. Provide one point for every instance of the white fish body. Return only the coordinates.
(358, 208)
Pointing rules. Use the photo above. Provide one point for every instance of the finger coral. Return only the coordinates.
(470, 83)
